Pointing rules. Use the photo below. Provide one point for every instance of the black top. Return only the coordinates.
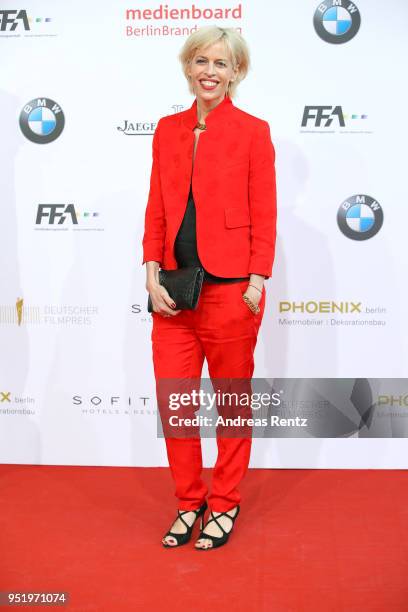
(185, 246)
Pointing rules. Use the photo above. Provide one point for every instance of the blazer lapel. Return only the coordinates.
(214, 117)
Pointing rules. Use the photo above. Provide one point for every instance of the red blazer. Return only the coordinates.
(233, 186)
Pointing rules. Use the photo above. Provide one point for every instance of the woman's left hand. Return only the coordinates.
(253, 294)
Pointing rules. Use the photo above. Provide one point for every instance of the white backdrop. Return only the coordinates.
(76, 378)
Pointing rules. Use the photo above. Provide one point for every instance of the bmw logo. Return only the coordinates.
(42, 120)
(360, 217)
(335, 23)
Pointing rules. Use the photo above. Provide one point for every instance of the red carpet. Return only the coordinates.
(305, 541)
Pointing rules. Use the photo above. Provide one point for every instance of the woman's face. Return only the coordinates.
(211, 71)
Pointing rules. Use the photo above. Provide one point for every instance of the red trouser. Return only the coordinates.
(224, 330)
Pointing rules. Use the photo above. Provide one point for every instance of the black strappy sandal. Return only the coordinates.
(218, 540)
(183, 538)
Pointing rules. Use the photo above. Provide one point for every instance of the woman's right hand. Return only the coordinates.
(161, 301)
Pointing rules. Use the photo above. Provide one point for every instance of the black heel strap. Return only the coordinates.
(196, 512)
(214, 518)
(180, 515)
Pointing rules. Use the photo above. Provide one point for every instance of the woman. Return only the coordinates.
(216, 209)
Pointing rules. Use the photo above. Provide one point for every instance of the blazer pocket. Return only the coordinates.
(237, 217)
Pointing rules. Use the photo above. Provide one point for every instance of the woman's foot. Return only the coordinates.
(179, 527)
(214, 530)
(181, 530)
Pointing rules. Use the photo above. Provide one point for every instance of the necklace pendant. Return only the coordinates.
(200, 126)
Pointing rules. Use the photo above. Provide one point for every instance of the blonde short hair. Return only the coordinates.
(208, 35)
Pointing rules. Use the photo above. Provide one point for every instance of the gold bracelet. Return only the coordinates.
(251, 285)
(253, 307)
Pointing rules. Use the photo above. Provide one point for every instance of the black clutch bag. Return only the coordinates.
(182, 285)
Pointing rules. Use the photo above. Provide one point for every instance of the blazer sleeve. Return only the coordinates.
(154, 220)
(262, 201)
